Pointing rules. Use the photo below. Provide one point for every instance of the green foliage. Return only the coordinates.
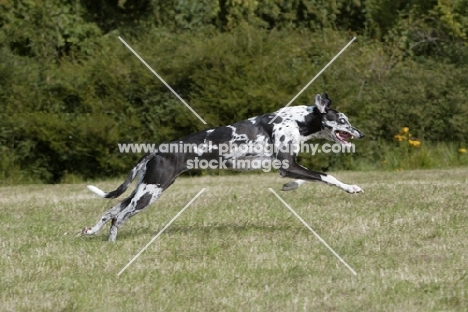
(71, 91)
(46, 29)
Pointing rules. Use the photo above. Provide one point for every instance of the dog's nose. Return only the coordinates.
(361, 135)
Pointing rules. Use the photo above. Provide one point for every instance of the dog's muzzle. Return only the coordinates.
(358, 134)
(344, 136)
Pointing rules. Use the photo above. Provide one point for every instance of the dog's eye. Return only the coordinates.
(341, 121)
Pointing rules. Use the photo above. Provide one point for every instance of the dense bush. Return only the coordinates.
(70, 90)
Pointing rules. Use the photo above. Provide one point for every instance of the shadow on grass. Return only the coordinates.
(220, 228)
(203, 229)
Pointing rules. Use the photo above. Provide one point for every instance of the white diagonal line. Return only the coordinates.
(313, 232)
(163, 229)
(162, 80)
(316, 76)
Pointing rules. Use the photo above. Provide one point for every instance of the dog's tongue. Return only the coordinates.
(343, 135)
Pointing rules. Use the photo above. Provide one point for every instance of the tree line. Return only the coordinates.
(70, 91)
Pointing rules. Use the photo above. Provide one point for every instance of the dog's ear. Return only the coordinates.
(322, 103)
(329, 101)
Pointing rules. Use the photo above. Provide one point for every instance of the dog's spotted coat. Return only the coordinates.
(157, 171)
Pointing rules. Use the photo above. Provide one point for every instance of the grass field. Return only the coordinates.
(237, 248)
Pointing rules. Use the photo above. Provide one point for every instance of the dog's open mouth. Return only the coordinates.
(343, 136)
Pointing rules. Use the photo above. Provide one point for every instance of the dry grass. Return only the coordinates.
(237, 248)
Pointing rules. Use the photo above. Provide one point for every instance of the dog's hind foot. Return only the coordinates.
(88, 231)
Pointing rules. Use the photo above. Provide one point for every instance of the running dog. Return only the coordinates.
(283, 130)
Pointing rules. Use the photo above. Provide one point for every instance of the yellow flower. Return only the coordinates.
(462, 150)
(399, 137)
(414, 143)
(405, 129)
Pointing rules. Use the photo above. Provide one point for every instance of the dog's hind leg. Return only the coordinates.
(145, 195)
(111, 213)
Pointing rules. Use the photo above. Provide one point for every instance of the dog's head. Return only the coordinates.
(335, 125)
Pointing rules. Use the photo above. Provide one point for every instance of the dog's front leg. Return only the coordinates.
(296, 171)
(287, 135)
(291, 186)
(331, 180)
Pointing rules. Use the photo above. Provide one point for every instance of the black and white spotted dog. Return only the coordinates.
(156, 171)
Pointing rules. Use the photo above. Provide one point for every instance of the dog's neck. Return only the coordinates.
(311, 126)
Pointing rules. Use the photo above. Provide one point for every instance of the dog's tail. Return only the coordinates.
(123, 187)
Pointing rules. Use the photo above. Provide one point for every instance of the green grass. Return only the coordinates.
(237, 248)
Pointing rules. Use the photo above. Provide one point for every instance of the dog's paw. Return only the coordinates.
(87, 231)
(290, 186)
(353, 189)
